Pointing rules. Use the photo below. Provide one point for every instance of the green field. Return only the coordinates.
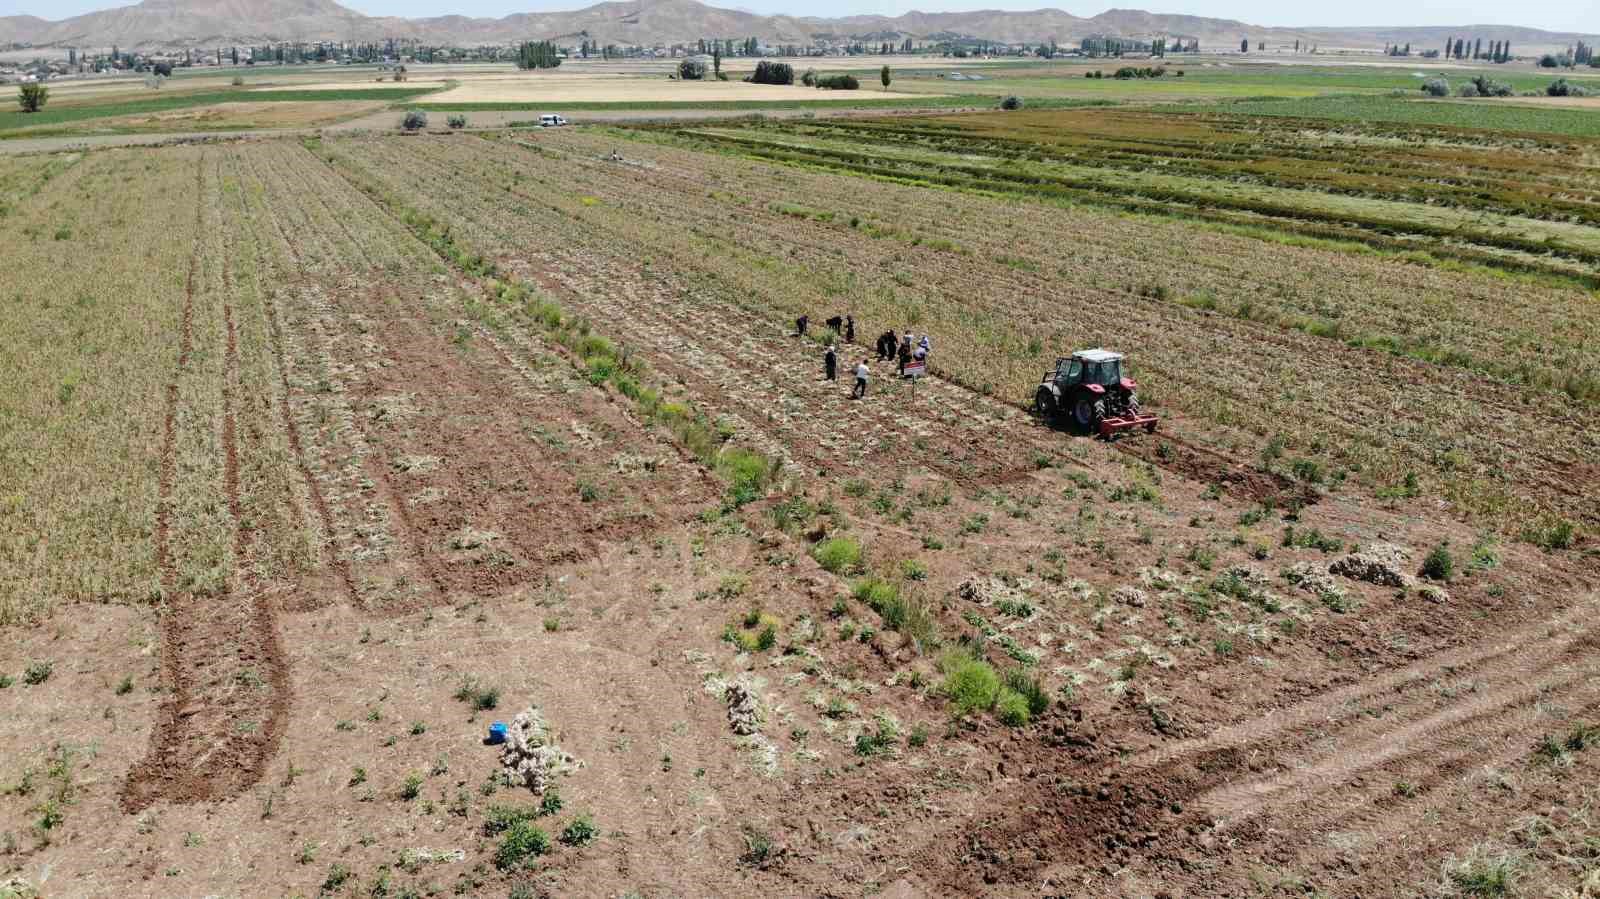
(860, 100)
(1491, 114)
(1200, 81)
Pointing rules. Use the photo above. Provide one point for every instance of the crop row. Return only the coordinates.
(940, 263)
(1520, 244)
(1510, 178)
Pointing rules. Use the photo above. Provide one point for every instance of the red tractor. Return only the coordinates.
(1089, 386)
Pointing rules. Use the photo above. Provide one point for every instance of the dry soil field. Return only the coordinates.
(317, 457)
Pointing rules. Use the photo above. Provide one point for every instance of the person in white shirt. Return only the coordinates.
(860, 390)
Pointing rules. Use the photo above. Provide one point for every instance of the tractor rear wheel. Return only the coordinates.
(1083, 412)
(1044, 403)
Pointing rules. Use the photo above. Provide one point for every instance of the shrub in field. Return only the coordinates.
(1483, 874)
(32, 97)
(747, 474)
(882, 597)
(1561, 88)
(1437, 86)
(37, 673)
(580, 832)
(1488, 87)
(456, 122)
(238, 81)
(838, 82)
(692, 70)
(1439, 564)
(1467, 90)
(1023, 684)
(838, 554)
(474, 694)
(772, 73)
(809, 79)
(1011, 708)
(1552, 533)
(415, 120)
(757, 846)
(1011, 102)
(970, 684)
(521, 843)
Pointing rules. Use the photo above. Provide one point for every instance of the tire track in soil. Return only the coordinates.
(213, 644)
(1068, 804)
(169, 431)
(1539, 666)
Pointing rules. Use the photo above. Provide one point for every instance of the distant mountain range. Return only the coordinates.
(210, 23)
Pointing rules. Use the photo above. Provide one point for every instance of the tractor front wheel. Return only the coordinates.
(1044, 403)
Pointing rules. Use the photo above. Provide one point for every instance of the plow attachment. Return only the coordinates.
(1110, 427)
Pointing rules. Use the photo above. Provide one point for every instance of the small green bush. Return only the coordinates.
(37, 673)
(1483, 875)
(746, 472)
(479, 697)
(1437, 86)
(521, 843)
(1439, 565)
(1011, 103)
(1020, 682)
(580, 832)
(1552, 534)
(837, 82)
(971, 684)
(838, 555)
(456, 122)
(414, 120)
(884, 598)
(1011, 707)
(757, 846)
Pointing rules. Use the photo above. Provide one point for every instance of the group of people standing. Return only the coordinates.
(906, 349)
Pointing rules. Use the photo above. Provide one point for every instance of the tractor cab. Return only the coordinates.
(1090, 367)
(1090, 387)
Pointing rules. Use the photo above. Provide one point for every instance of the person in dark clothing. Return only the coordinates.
(830, 364)
(849, 329)
(800, 326)
(905, 356)
(886, 344)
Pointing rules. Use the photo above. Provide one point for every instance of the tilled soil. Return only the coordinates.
(479, 513)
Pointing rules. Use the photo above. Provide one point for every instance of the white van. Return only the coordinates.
(551, 121)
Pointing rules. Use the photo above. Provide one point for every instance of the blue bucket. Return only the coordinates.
(497, 732)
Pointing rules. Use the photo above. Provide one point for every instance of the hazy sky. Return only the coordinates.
(1556, 15)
